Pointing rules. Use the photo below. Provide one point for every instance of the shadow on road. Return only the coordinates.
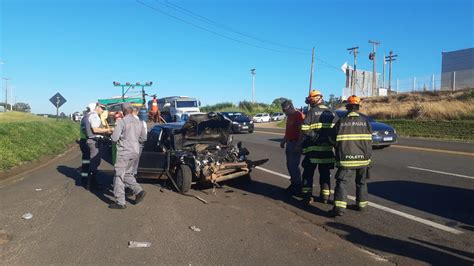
(276, 140)
(276, 193)
(105, 180)
(400, 247)
(449, 202)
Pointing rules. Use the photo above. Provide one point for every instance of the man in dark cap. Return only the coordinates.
(294, 120)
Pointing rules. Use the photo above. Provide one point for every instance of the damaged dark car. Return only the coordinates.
(197, 151)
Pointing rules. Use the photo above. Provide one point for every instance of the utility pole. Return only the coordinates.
(353, 50)
(372, 56)
(11, 97)
(253, 72)
(6, 93)
(311, 74)
(390, 58)
(383, 71)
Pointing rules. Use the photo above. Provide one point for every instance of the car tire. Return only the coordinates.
(184, 178)
(250, 131)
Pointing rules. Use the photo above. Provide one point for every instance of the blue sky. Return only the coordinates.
(78, 47)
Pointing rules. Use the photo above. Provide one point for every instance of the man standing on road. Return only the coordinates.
(353, 151)
(91, 128)
(129, 133)
(294, 120)
(316, 128)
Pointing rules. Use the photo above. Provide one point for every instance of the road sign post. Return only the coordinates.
(57, 100)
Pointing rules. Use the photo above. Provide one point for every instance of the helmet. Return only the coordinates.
(311, 99)
(353, 100)
(314, 93)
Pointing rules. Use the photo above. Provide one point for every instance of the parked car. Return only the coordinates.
(199, 150)
(240, 122)
(261, 117)
(383, 135)
(277, 116)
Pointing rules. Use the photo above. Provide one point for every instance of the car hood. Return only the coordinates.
(206, 128)
(241, 119)
(377, 126)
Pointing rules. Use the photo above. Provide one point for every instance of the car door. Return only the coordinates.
(154, 158)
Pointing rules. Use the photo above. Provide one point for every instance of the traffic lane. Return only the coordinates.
(464, 147)
(392, 237)
(73, 226)
(395, 185)
(386, 172)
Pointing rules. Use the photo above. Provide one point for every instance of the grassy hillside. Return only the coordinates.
(26, 137)
(422, 106)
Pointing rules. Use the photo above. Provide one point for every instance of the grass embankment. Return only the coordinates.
(25, 137)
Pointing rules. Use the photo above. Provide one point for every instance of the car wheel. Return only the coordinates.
(251, 131)
(184, 178)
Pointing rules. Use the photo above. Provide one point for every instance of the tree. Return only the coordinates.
(278, 101)
(22, 107)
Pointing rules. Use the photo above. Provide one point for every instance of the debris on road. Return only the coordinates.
(137, 244)
(194, 228)
(27, 216)
(38, 189)
(201, 199)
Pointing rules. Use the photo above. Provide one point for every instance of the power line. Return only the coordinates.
(325, 63)
(213, 32)
(225, 27)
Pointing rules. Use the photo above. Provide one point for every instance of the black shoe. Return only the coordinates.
(361, 209)
(128, 192)
(335, 212)
(117, 206)
(140, 197)
(308, 199)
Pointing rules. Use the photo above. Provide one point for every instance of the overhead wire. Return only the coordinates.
(317, 58)
(225, 27)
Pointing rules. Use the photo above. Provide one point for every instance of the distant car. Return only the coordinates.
(277, 116)
(383, 135)
(261, 117)
(240, 122)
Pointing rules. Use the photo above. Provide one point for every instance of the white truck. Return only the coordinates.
(173, 107)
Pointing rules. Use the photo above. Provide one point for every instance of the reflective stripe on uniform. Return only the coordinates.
(317, 126)
(317, 148)
(353, 137)
(340, 204)
(353, 163)
(325, 192)
(84, 174)
(352, 114)
(305, 189)
(325, 160)
(363, 204)
(86, 161)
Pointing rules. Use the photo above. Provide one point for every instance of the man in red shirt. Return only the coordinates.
(294, 120)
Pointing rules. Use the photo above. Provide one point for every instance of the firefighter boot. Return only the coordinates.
(324, 195)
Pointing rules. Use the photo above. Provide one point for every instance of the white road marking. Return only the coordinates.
(387, 209)
(439, 172)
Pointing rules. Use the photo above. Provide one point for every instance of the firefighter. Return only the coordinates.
(353, 142)
(316, 129)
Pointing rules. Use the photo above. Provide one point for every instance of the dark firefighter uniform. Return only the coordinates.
(353, 152)
(316, 129)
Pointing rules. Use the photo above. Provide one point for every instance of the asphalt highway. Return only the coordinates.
(421, 211)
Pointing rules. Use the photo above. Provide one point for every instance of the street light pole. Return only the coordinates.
(253, 72)
(372, 57)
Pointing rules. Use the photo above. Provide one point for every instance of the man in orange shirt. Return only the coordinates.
(294, 120)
